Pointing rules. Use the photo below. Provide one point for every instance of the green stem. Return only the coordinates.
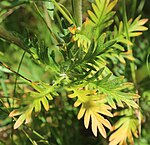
(132, 66)
(62, 12)
(77, 11)
(12, 39)
(1, 63)
(134, 4)
(49, 28)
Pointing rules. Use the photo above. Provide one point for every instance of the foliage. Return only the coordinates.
(62, 58)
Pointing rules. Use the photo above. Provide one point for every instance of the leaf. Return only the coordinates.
(99, 19)
(19, 121)
(42, 95)
(112, 88)
(45, 103)
(102, 13)
(136, 27)
(15, 113)
(37, 105)
(28, 114)
(92, 107)
(125, 127)
(82, 40)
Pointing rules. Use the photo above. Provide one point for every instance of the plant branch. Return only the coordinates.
(12, 39)
(15, 72)
(62, 12)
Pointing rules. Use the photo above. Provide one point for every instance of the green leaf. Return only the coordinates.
(136, 27)
(112, 88)
(102, 14)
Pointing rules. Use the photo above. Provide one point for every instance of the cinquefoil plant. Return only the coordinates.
(78, 59)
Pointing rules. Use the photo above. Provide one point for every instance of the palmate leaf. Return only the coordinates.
(24, 116)
(34, 102)
(112, 88)
(102, 13)
(136, 27)
(98, 20)
(125, 128)
(92, 107)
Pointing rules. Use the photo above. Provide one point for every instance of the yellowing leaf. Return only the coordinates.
(125, 127)
(42, 95)
(19, 121)
(136, 27)
(72, 29)
(28, 115)
(82, 40)
(45, 103)
(37, 105)
(15, 113)
(92, 108)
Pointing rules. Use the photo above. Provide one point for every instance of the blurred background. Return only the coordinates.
(60, 125)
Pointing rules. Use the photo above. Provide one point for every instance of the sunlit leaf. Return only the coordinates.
(92, 108)
(19, 121)
(125, 128)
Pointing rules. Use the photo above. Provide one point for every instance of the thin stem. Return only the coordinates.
(14, 92)
(50, 30)
(17, 75)
(32, 141)
(62, 12)
(132, 66)
(15, 72)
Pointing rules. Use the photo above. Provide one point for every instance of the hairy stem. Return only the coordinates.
(77, 11)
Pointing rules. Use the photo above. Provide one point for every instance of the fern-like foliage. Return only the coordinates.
(112, 88)
(34, 103)
(93, 98)
(102, 13)
(92, 107)
(101, 18)
(85, 75)
(125, 129)
(135, 27)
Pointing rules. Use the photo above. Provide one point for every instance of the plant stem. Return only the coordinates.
(15, 72)
(12, 39)
(77, 11)
(132, 66)
(62, 12)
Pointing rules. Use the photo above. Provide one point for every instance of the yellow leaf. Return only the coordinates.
(45, 103)
(14, 113)
(19, 121)
(72, 29)
(87, 119)
(143, 21)
(125, 127)
(81, 112)
(37, 105)
(28, 115)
